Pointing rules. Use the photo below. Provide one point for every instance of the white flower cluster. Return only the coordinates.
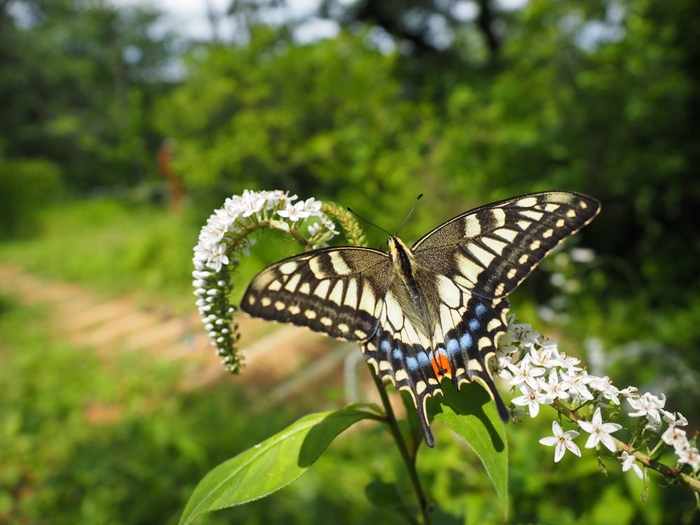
(224, 238)
(543, 375)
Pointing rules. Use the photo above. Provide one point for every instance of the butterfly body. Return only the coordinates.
(434, 310)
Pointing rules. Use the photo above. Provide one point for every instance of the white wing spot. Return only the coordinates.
(551, 207)
(343, 328)
(292, 283)
(266, 301)
(294, 309)
(523, 258)
(288, 267)
(340, 267)
(310, 314)
(512, 273)
(536, 245)
(523, 225)
(322, 289)
(494, 324)
(401, 375)
(484, 342)
(499, 216)
(326, 321)
(548, 233)
(485, 258)
(532, 214)
(360, 334)
(316, 268)
(279, 305)
(571, 214)
(449, 293)
(507, 234)
(351, 293)
(473, 364)
(420, 387)
(494, 244)
(527, 202)
(275, 286)
(384, 365)
(336, 294)
(305, 288)
(251, 300)
(472, 228)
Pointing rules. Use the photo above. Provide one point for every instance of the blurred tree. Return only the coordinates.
(76, 84)
(326, 119)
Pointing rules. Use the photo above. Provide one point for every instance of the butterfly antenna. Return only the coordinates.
(367, 221)
(408, 215)
(379, 227)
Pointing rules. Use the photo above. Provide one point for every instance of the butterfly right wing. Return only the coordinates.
(336, 291)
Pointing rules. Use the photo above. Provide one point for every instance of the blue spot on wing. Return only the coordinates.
(452, 346)
(385, 346)
(480, 310)
(397, 354)
(412, 363)
(474, 325)
(423, 359)
(466, 341)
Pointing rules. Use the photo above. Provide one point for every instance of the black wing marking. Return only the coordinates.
(337, 291)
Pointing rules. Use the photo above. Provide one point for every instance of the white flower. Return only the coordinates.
(561, 441)
(599, 431)
(606, 388)
(629, 461)
(647, 405)
(294, 212)
(252, 202)
(523, 372)
(218, 258)
(676, 437)
(577, 384)
(553, 388)
(532, 399)
(689, 456)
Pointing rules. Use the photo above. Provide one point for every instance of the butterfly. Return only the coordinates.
(432, 311)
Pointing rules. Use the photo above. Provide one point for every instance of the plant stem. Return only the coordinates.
(403, 449)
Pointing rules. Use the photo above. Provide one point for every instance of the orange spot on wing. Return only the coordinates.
(441, 365)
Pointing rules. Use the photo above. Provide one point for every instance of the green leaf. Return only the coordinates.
(472, 415)
(270, 465)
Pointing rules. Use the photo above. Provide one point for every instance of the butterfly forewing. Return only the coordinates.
(337, 291)
(490, 250)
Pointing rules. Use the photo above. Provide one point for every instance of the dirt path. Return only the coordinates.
(281, 360)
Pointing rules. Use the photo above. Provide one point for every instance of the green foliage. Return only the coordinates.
(112, 246)
(272, 464)
(326, 119)
(26, 186)
(81, 81)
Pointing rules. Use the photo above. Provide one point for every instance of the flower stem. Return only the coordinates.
(403, 449)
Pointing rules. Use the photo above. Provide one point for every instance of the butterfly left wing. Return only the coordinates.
(336, 291)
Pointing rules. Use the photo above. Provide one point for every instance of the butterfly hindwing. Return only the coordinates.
(337, 291)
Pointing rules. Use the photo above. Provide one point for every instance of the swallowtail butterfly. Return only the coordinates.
(434, 310)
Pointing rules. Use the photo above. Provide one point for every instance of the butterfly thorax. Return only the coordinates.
(412, 290)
